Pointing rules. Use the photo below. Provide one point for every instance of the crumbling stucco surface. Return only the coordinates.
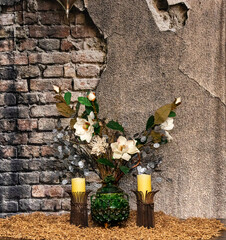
(146, 68)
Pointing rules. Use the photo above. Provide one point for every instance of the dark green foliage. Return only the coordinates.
(106, 162)
(67, 97)
(150, 122)
(115, 126)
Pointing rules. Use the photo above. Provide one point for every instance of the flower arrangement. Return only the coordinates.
(100, 145)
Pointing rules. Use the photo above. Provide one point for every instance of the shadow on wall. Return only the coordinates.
(9, 114)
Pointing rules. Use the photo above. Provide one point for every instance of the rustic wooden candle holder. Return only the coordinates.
(79, 213)
(145, 209)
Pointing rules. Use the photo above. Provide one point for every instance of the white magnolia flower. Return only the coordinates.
(98, 145)
(122, 148)
(92, 96)
(168, 124)
(84, 129)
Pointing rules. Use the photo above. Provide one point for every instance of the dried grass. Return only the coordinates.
(41, 227)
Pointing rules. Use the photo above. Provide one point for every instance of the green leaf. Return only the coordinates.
(150, 122)
(67, 97)
(124, 169)
(96, 125)
(77, 108)
(106, 162)
(85, 101)
(89, 110)
(96, 106)
(97, 130)
(115, 126)
(172, 114)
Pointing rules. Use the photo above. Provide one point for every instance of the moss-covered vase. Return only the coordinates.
(110, 205)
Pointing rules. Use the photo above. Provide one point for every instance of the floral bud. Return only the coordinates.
(92, 96)
(56, 89)
(178, 101)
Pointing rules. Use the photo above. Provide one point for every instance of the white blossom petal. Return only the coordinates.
(117, 155)
(126, 156)
(167, 125)
(121, 140)
(169, 138)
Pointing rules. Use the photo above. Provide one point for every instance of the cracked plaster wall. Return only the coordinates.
(146, 68)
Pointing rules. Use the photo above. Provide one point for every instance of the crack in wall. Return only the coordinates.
(206, 90)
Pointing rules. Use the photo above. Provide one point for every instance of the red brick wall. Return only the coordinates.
(39, 47)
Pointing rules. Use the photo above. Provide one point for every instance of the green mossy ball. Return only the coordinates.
(111, 208)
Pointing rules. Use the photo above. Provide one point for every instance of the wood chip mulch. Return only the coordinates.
(38, 226)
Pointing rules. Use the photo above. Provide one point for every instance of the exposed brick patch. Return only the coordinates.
(27, 124)
(47, 191)
(53, 71)
(69, 70)
(47, 84)
(67, 45)
(49, 177)
(87, 70)
(47, 151)
(30, 205)
(29, 178)
(9, 206)
(7, 125)
(6, 45)
(44, 5)
(44, 111)
(83, 84)
(27, 44)
(28, 151)
(30, 18)
(46, 124)
(8, 179)
(29, 71)
(49, 58)
(38, 191)
(45, 31)
(49, 44)
(40, 47)
(88, 56)
(51, 204)
(7, 19)
(11, 86)
(8, 151)
(15, 192)
(81, 31)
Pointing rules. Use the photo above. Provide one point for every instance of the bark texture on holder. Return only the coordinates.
(145, 209)
(79, 212)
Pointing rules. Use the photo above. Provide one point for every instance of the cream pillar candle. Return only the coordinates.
(144, 183)
(78, 185)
